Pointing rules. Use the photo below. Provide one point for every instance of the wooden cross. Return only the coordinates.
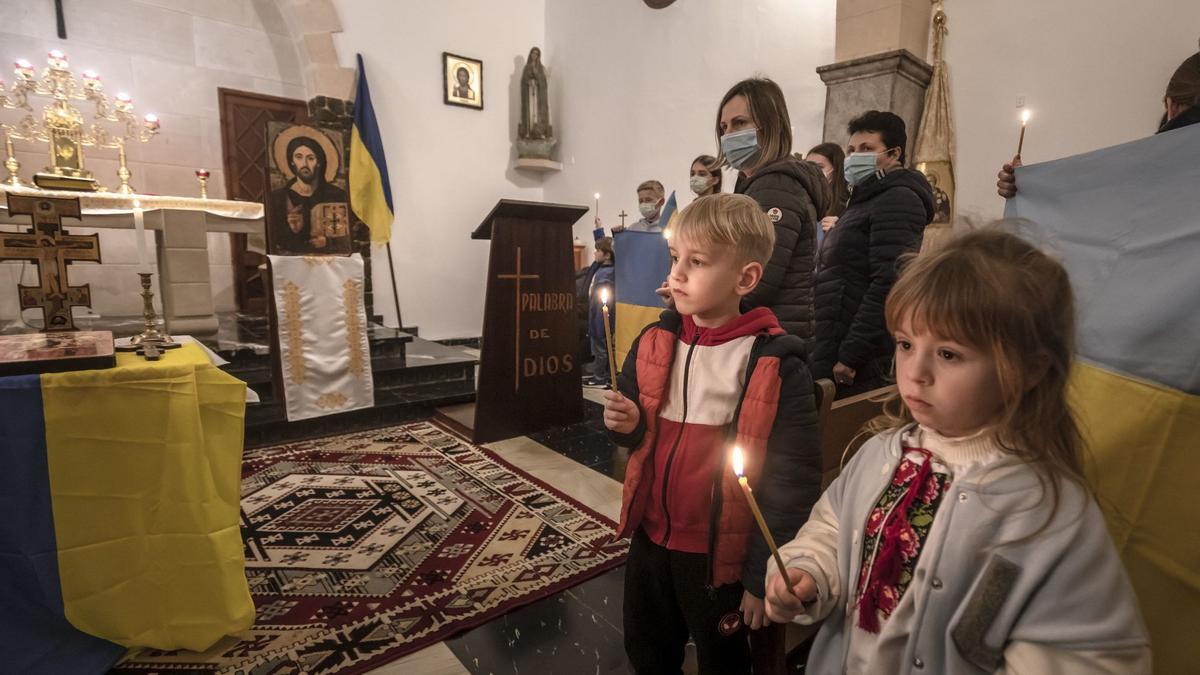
(51, 248)
(517, 345)
(622, 214)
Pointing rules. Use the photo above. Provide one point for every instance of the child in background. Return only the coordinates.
(701, 379)
(962, 538)
(603, 277)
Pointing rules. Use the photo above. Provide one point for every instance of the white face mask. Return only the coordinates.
(648, 208)
(700, 184)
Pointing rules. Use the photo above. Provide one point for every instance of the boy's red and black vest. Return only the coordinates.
(695, 387)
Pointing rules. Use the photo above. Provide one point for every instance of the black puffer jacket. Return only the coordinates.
(885, 218)
(797, 189)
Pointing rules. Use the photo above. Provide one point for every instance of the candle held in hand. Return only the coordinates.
(608, 341)
(1024, 121)
(738, 467)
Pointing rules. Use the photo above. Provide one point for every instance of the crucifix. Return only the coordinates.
(62, 22)
(51, 248)
(517, 308)
(622, 214)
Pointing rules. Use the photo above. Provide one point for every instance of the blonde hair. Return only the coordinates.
(768, 108)
(728, 220)
(653, 186)
(993, 291)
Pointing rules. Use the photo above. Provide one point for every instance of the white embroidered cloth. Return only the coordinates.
(322, 324)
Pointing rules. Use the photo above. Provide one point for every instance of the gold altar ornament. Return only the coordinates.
(762, 524)
(202, 176)
(63, 127)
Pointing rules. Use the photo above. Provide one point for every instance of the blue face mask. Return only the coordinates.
(859, 166)
(739, 147)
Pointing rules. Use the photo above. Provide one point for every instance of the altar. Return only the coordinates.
(181, 225)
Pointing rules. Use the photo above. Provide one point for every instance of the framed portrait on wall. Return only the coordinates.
(462, 81)
(308, 211)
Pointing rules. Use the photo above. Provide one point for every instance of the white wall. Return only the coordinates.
(1093, 73)
(448, 165)
(170, 56)
(634, 91)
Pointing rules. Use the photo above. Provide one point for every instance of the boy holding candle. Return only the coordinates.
(702, 379)
(602, 280)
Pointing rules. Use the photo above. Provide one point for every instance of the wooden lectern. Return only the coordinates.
(529, 377)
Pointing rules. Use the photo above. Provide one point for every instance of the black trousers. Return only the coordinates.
(666, 599)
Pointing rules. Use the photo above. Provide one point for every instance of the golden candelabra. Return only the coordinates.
(63, 127)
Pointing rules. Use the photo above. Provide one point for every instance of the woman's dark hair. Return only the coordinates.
(888, 125)
(710, 163)
(837, 159)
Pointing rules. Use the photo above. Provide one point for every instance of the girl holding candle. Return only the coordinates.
(701, 379)
(963, 538)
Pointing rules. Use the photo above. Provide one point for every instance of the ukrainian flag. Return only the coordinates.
(642, 264)
(1124, 222)
(370, 190)
(669, 212)
(119, 512)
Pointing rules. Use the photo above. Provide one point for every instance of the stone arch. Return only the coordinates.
(312, 23)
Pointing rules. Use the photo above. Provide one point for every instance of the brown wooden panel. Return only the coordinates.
(529, 376)
(244, 117)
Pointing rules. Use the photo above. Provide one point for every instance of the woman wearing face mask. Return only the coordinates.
(831, 158)
(705, 176)
(755, 137)
(886, 216)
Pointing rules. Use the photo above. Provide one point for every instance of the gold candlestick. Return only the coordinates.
(202, 176)
(608, 341)
(10, 162)
(123, 171)
(762, 524)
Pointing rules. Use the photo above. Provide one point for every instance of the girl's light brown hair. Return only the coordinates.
(766, 104)
(993, 291)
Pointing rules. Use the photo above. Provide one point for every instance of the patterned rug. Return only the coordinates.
(365, 547)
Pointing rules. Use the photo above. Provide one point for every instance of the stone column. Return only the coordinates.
(880, 47)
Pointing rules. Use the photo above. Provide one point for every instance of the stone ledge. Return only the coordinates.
(898, 61)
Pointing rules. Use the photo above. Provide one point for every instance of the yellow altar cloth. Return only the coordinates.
(145, 465)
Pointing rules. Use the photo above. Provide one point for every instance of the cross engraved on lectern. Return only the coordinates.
(517, 346)
(51, 248)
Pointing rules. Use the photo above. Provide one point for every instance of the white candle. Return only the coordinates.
(597, 203)
(139, 225)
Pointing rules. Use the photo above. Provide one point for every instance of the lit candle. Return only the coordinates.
(612, 357)
(762, 524)
(139, 226)
(597, 203)
(91, 79)
(151, 122)
(58, 60)
(124, 102)
(24, 69)
(667, 233)
(1024, 121)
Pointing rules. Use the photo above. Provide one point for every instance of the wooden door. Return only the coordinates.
(244, 117)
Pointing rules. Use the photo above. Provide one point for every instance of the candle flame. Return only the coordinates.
(737, 461)
(23, 64)
(604, 296)
(151, 117)
(1025, 116)
(597, 195)
(137, 203)
(122, 96)
(56, 54)
(667, 233)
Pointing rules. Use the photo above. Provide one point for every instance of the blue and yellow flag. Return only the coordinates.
(119, 511)
(370, 190)
(642, 264)
(1124, 221)
(669, 212)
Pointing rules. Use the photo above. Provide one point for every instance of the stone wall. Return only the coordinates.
(170, 56)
